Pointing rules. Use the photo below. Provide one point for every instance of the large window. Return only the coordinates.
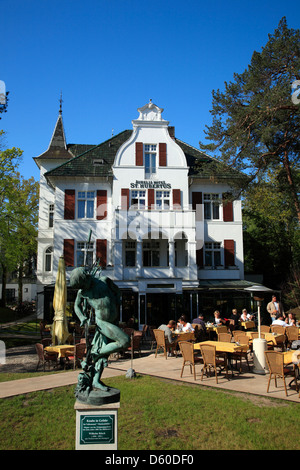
(150, 159)
(151, 253)
(162, 199)
(85, 204)
(211, 206)
(212, 254)
(84, 253)
(130, 250)
(138, 199)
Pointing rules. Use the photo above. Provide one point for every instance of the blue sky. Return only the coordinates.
(109, 57)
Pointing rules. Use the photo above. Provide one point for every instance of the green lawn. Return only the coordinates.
(156, 415)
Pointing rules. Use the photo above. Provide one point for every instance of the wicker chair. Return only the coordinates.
(239, 355)
(276, 368)
(225, 337)
(189, 358)
(210, 360)
(77, 355)
(292, 334)
(44, 357)
(162, 343)
(265, 329)
(278, 329)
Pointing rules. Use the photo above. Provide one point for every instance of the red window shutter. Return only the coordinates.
(176, 199)
(101, 204)
(139, 153)
(199, 258)
(101, 249)
(197, 204)
(229, 252)
(151, 199)
(227, 211)
(125, 199)
(69, 252)
(69, 213)
(162, 154)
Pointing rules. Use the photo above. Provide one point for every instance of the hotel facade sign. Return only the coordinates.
(150, 185)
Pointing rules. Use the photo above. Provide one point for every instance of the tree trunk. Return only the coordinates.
(4, 277)
(20, 284)
(291, 184)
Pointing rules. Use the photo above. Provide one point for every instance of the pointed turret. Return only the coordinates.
(57, 148)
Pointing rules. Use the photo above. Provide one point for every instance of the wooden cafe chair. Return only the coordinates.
(211, 361)
(277, 369)
(189, 357)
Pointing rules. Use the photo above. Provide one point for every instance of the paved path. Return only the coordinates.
(252, 384)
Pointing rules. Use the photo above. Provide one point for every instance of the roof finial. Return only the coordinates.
(60, 103)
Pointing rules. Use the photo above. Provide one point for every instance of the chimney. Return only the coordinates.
(171, 130)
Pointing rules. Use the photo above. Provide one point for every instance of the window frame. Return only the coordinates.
(150, 160)
(86, 248)
(83, 196)
(215, 250)
(212, 204)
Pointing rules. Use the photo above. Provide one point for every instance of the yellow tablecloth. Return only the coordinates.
(248, 324)
(269, 337)
(223, 346)
(61, 349)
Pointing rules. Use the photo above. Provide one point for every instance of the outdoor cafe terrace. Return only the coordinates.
(232, 355)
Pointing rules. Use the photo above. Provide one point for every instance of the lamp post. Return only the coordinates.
(259, 344)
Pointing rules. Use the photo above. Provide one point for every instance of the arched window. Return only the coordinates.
(48, 258)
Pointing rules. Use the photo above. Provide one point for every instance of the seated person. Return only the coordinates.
(279, 320)
(290, 319)
(170, 340)
(246, 316)
(200, 321)
(185, 326)
(218, 320)
(234, 320)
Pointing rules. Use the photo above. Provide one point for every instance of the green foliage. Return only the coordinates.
(256, 125)
(18, 214)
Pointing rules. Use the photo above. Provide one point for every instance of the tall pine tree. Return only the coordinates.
(256, 120)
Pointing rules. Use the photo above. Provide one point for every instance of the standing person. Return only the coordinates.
(274, 307)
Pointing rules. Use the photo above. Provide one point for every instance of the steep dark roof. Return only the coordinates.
(203, 166)
(57, 148)
(95, 161)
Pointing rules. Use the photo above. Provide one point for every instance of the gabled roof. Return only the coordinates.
(98, 160)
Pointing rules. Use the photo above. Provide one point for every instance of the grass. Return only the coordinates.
(156, 415)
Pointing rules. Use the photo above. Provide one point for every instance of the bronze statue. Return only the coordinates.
(100, 294)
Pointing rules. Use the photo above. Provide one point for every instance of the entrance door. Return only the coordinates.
(160, 308)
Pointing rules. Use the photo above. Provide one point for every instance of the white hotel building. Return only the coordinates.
(156, 212)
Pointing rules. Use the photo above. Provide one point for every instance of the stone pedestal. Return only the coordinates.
(96, 426)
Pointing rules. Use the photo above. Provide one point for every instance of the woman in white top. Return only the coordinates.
(245, 316)
(185, 326)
